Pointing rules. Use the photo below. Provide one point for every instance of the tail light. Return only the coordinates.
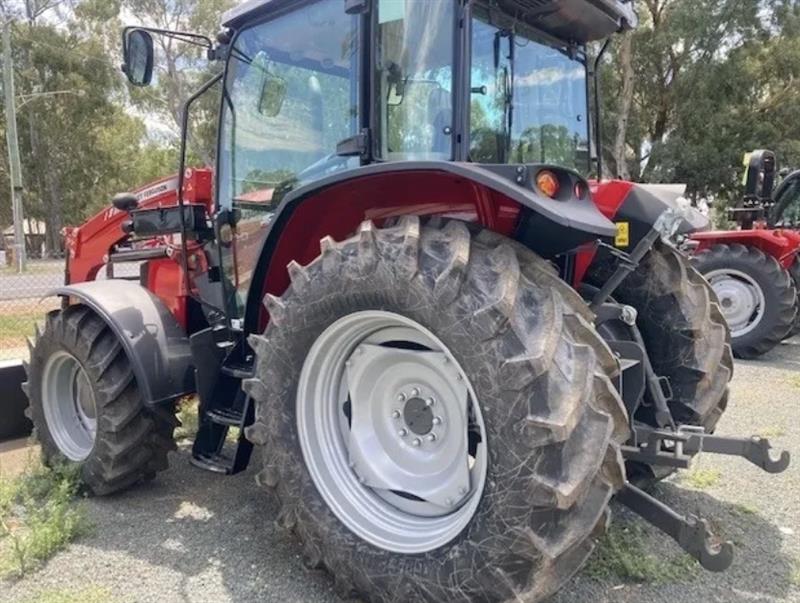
(547, 182)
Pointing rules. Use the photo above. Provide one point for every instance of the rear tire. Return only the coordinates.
(686, 338)
(539, 372)
(757, 296)
(86, 408)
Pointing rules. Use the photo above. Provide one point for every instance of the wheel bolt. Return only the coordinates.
(430, 401)
(462, 490)
(414, 392)
(437, 420)
(449, 502)
(395, 414)
(416, 442)
(432, 437)
(402, 433)
(401, 397)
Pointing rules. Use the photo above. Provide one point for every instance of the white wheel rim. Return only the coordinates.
(403, 470)
(70, 410)
(741, 299)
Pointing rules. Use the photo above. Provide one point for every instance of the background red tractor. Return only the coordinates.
(755, 270)
(448, 352)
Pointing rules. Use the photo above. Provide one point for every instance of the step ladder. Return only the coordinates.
(225, 409)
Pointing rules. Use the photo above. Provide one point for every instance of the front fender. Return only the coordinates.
(155, 344)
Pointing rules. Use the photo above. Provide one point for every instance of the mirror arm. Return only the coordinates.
(182, 36)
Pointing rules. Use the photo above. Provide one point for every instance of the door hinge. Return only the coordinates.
(354, 146)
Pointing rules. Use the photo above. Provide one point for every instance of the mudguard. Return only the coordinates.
(155, 344)
(636, 207)
(560, 224)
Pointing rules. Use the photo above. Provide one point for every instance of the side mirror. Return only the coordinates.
(273, 93)
(138, 56)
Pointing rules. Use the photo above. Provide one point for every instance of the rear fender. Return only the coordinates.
(500, 198)
(783, 245)
(155, 344)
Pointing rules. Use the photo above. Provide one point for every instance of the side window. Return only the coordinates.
(415, 69)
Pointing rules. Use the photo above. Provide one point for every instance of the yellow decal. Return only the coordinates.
(623, 238)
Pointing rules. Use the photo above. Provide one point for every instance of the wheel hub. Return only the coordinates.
(408, 453)
(391, 432)
(69, 406)
(741, 299)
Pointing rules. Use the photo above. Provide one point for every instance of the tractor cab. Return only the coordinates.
(311, 91)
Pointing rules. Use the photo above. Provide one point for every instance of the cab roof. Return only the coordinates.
(578, 21)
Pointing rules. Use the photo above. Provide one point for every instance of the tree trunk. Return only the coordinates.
(626, 101)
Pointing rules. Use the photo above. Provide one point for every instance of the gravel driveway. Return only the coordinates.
(195, 537)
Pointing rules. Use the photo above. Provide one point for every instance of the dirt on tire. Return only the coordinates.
(554, 421)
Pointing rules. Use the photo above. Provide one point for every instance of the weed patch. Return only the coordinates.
(621, 555)
(39, 515)
(188, 416)
(92, 594)
(701, 479)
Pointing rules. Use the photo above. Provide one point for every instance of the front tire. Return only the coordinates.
(541, 412)
(757, 296)
(85, 406)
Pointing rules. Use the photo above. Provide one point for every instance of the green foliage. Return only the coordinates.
(701, 479)
(39, 516)
(714, 79)
(91, 594)
(622, 555)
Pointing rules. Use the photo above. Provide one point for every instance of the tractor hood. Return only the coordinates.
(671, 196)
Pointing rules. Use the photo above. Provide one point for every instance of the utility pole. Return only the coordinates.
(14, 164)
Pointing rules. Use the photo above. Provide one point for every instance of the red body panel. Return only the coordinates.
(608, 197)
(783, 245)
(338, 210)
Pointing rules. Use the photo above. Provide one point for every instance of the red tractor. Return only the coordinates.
(755, 270)
(447, 351)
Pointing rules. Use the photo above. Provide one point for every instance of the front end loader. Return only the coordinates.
(445, 347)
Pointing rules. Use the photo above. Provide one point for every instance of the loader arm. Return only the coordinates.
(89, 245)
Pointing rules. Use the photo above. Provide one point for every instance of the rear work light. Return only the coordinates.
(547, 183)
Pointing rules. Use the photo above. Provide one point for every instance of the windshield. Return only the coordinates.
(529, 100)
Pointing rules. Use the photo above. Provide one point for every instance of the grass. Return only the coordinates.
(187, 415)
(795, 381)
(744, 509)
(16, 326)
(39, 516)
(794, 576)
(701, 479)
(771, 432)
(91, 594)
(621, 555)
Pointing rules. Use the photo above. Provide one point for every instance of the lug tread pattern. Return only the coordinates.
(540, 370)
(132, 441)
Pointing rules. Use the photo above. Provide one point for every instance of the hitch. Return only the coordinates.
(677, 448)
(691, 533)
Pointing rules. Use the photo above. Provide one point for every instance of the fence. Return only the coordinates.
(20, 295)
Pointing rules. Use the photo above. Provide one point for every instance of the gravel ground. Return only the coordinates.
(195, 537)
